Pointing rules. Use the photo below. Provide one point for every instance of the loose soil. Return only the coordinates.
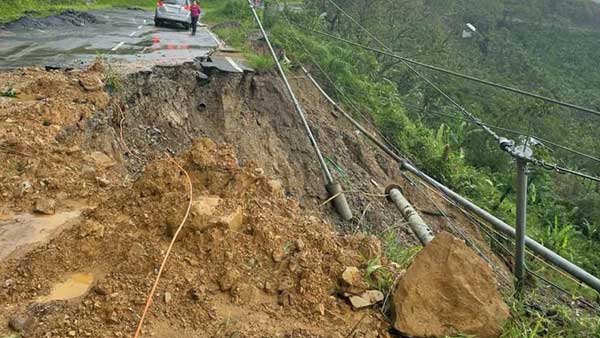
(63, 138)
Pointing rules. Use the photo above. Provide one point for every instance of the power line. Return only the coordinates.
(505, 144)
(339, 91)
(330, 80)
(299, 110)
(390, 53)
(513, 131)
(460, 233)
(412, 69)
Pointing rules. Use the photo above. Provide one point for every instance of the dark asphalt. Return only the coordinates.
(117, 35)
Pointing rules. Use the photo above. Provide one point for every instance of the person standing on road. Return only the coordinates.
(195, 11)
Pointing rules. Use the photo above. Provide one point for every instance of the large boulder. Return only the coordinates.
(448, 290)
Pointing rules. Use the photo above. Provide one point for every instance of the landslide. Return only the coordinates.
(274, 271)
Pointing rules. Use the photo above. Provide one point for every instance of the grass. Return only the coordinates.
(558, 321)
(233, 23)
(11, 10)
(8, 92)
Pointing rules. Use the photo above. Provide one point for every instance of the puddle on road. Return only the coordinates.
(21, 232)
(75, 286)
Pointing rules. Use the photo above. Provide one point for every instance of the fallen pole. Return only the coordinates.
(333, 188)
(547, 254)
(416, 223)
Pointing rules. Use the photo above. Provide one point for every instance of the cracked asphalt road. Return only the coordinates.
(127, 36)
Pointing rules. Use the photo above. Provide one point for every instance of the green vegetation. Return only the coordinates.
(550, 47)
(562, 209)
(557, 322)
(232, 22)
(8, 92)
(518, 45)
(14, 9)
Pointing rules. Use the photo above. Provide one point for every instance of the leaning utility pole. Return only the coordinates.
(336, 193)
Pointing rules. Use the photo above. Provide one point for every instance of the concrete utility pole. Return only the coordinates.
(334, 189)
(416, 223)
(522, 153)
(521, 224)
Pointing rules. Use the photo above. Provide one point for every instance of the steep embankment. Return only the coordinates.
(258, 256)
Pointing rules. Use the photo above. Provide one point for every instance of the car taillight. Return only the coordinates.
(186, 7)
(160, 4)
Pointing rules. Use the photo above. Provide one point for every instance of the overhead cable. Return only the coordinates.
(501, 226)
(390, 53)
(513, 131)
(412, 69)
(505, 144)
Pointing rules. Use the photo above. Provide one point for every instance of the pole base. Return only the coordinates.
(339, 202)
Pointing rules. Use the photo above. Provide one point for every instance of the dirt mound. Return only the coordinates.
(275, 275)
(167, 108)
(41, 129)
(258, 256)
(66, 18)
(449, 290)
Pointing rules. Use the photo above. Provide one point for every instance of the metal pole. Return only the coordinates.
(521, 224)
(417, 224)
(333, 188)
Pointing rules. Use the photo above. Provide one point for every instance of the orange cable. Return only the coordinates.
(164, 262)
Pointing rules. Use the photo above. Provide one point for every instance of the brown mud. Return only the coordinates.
(271, 270)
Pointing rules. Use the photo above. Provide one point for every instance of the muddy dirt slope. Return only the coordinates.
(90, 200)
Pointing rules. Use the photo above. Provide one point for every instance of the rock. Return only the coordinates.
(232, 221)
(352, 281)
(278, 254)
(103, 182)
(45, 206)
(358, 302)
(300, 244)
(366, 299)
(72, 333)
(168, 297)
(88, 171)
(448, 290)
(246, 293)
(25, 187)
(92, 84)
(321, 309)
(227, 281)
(100, 290)
(74, 149)
(276, 188)
(203, 214)
(19, 323)
(100, 159)
(374, 296)
(285, 299)
(205, 205)
(137, 251)
(196, 294)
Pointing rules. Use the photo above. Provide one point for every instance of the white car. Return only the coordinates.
(174, 11)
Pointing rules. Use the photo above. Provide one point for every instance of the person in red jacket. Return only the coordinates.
(195, 11)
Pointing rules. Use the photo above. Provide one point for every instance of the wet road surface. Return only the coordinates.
(117, 35)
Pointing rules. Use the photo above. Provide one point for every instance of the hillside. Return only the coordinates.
(100, 162)
(548, 52)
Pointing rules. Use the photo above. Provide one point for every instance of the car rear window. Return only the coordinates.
(176, 2)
